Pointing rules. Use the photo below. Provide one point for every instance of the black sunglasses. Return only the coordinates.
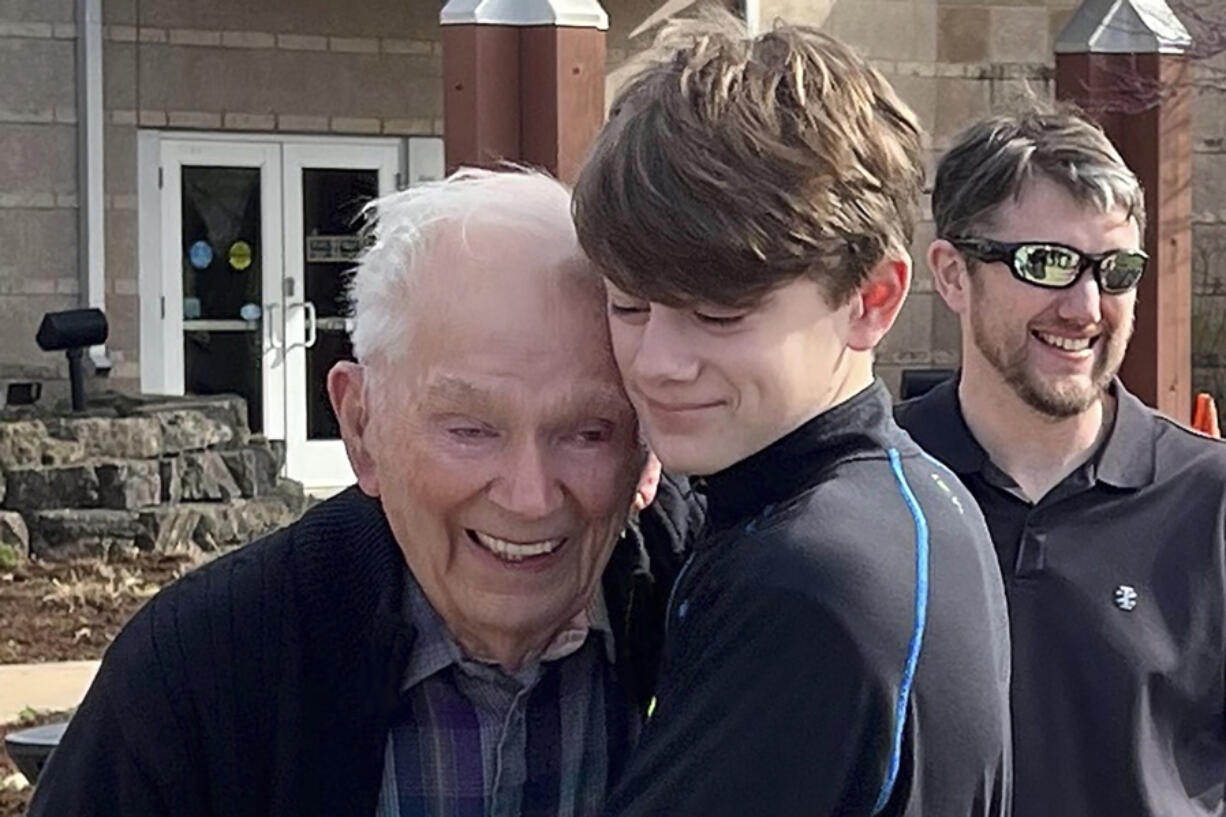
(1058, 266)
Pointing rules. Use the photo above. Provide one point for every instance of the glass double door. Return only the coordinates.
(258, 242)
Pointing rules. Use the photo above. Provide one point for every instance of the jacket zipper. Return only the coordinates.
(672, 594)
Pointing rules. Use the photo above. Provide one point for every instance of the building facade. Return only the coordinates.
(238, 141)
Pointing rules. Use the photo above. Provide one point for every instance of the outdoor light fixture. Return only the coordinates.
(73, 331)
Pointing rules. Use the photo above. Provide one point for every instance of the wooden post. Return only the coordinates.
(522, 82)
(1122, 61)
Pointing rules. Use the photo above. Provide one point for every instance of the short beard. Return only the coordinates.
(1055, 403)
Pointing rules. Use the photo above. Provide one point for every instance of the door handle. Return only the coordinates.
(275, 345)
(312, 323)
(312, 326)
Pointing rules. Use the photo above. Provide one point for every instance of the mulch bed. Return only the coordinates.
(70, 611)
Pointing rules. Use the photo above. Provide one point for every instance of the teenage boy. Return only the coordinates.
(837, 644)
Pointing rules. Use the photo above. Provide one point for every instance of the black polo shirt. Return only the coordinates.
(1116, 582)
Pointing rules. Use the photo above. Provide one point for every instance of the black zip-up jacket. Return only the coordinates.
(264, 683)
(838, 642)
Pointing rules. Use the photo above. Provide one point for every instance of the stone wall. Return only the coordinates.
(133, 474)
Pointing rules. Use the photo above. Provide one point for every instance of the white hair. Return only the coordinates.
(403, 227)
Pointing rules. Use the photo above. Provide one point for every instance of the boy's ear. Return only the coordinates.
(877, 302)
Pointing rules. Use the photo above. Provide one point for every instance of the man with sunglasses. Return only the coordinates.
(1108, 519)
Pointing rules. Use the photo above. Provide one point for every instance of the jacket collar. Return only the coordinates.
(351, 581)
(798, 460)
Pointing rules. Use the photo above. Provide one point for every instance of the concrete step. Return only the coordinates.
(52, 686)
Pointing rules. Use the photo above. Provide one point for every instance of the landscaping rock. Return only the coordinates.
(74, 533)
(255, 467)
(241, 465)
(44, 488)
(61, 452)
(21, 444)
(14, 534)
(189, 430)
(211, 526)
(118, 485)
(225, 411)
(204, 477)
(293, 494)
(111, 438)
(136, 471)
(132, 484)
(242, 522)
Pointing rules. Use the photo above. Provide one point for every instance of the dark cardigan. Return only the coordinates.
(264, 683)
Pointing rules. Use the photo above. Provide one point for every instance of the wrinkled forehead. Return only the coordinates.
(562, 400)
(523, 322)
(1045, 210)
(494, 285)
(536, 264)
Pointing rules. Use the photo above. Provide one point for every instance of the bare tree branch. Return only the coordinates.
(1134, 92)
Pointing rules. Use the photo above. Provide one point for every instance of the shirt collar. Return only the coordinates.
(435, 649)
(1125, 460)
(935, 422)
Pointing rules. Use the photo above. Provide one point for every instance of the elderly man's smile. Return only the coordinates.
(515, 552)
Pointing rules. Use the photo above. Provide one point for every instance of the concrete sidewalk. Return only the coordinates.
(57, 685)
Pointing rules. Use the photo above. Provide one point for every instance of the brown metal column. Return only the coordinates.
(480, 94)
(522, 85)
(561, 95)
(1123, 64)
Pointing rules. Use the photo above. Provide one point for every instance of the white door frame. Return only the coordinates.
(315, 463)
(168, 364)
(160, 280)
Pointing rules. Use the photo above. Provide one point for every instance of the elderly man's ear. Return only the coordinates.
(347, 390)
(649, 483)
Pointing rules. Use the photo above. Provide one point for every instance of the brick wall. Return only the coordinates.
(300, 66)
(1209, 244)
(38, 192)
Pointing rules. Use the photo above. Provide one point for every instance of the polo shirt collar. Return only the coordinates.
(1126, 459)
(937, 424)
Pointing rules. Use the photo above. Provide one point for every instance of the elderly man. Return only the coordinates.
(438, 639)
(1109, 520)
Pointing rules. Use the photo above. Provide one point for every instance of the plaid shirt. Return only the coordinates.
(472, 741)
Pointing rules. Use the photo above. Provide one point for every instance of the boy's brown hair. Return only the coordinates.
(733, 165)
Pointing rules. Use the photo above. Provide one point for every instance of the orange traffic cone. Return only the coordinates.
(1204, 418)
